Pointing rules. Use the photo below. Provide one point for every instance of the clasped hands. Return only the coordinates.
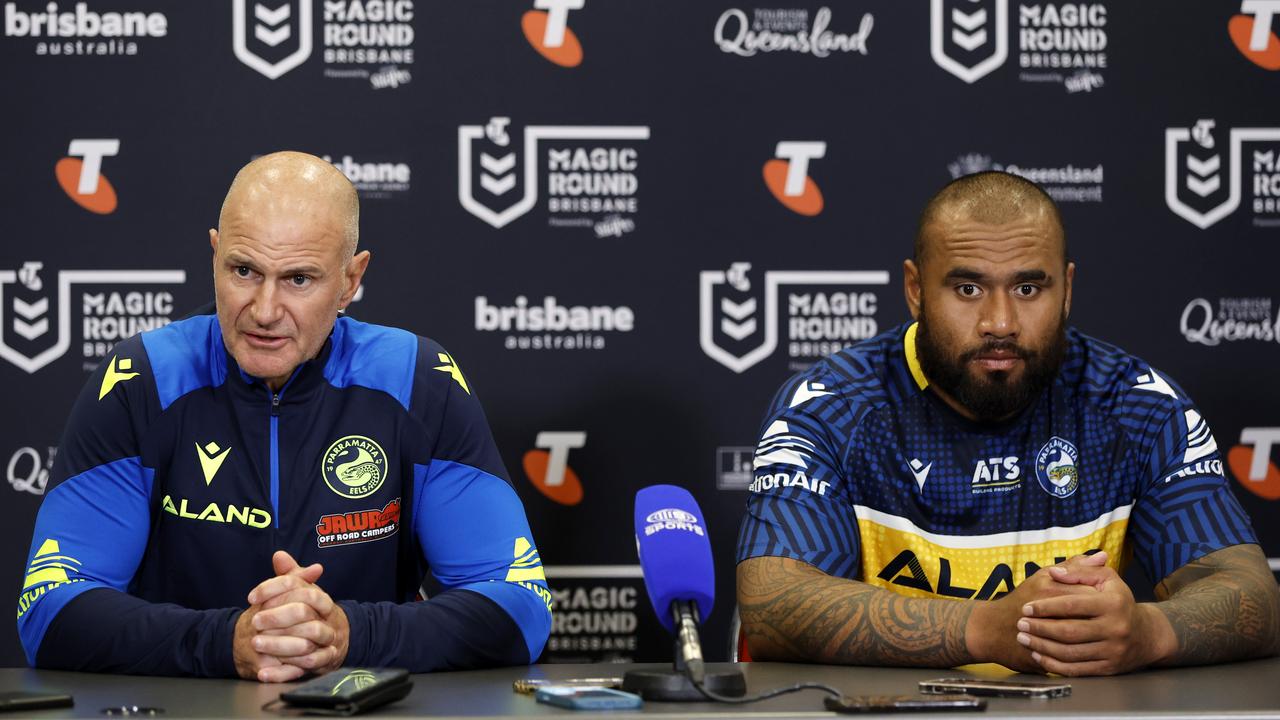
(1075, 618)
(292, 627)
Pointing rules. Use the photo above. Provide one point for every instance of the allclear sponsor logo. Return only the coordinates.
(818, 312)
(1204, 179)
(374, 180)
(78, 30)
(733, 467)
(546, 27)
(787, 176)
(1061, 43)
(369, 40)
(80, 174)
(789, 30)
(1253, 33)
(590, 173)
(547, 465)
(1251, 461)
(529, 324)
(1064, 183)
(1231, 320)
(28, 469)
(39, 309)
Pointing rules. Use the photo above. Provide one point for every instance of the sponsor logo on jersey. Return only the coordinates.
(919, 471)
(1234, 320)
(808, 391)
(906, 570)
(34, 332)
(79, 31)
(80, 174)
(780, 446)
(787, 176)
(1200, 440)
(1065, 183)
(550, 325)
(1152, 382)
(1251, 462)
(547, 30)
(997, 474)
(27, 471)
(826, 311)
(213, 512)
(548, 467)
(1056, 467)
(451, 367)
(211, 459)
(673, 519)
(789, 30)
(1252, 31)
(1197, 469)
(118, 370)
(359, 526)
(49, 569)
(527, 571)
(591, 172)
(354, 466)
(1203, 180)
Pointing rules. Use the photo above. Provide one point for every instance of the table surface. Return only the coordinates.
(1236, 690)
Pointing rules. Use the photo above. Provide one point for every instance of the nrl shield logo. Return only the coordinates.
(29, 337)
(277, 26)
(1201, 178)
(969, 38)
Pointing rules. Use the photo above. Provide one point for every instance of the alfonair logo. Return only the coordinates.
(826, 312)
(80, 175)
(1063, 183)
(549, 32)
(672, 519)
(358, 527)
(787, 176)
(1251, 31)
(590, 170)
(48, 570)
(211, 459)
(1194, 186)
(84, 31)
(29, 337)
(354, 466)
(1251, 463)
(788, 30)
(1056, 467)
(548, 467)
(526, 570)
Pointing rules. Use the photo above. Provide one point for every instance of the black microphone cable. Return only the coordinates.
(767, 694)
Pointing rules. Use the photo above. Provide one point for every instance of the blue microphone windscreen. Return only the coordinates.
(675, 551)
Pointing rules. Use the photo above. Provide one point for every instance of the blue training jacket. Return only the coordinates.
(179, 476)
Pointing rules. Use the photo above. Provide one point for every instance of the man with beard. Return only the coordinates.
(987, 452)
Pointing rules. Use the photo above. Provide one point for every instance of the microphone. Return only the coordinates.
(679, 575)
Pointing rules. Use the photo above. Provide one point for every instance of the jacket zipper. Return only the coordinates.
(275, 458)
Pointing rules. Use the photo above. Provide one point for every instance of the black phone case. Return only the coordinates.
(381, 692)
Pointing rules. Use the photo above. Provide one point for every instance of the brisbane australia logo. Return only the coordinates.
(354, 466)
(547, 30)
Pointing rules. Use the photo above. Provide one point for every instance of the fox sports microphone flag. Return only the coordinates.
(675, 552)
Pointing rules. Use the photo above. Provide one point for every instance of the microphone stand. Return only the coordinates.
(678, 684)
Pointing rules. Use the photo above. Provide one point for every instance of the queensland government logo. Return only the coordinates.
(1056, 467)
(105, 307)
(826, 311)
(590, 172)
(354, 466)
(1203, 180)
(1063, 183)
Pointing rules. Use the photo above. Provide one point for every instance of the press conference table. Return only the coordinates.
(1237, 690)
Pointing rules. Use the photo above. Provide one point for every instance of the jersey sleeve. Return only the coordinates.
(801, 497)
(473, 534)
(1187, 509)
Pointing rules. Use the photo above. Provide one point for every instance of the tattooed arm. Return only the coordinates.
(1222, 606)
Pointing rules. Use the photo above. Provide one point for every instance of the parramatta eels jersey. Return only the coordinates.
(179, 476)
(864, 473)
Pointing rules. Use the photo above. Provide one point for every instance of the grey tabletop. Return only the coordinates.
(1237, 690)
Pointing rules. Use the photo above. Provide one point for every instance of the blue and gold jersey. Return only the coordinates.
(864, 473)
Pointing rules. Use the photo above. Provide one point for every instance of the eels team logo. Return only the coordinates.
(1056, 467)
(354, 466)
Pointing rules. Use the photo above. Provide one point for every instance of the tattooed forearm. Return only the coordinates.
(1223, 606)
(792, 611)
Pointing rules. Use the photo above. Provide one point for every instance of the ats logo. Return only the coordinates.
(358, 527)
(1202, 188)
(827, 310)
(110, 305)
(81, 178)
(548, 467)
(787, 176)
(1251, 462)
(549, 32)
(1251, 31)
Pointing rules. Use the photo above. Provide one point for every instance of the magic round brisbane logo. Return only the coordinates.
(354, 466)
(1056, 467)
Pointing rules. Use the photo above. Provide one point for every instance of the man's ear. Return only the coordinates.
(353, 275)
(911, 287)
(1069, 280)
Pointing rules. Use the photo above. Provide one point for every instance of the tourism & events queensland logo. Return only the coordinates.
(591, 173)
(94, 308)
(80, 174)
(80, 31)
(1253, 35)
(1063, 43)
(787, 176)
(788, 30)
(363, 39)
(1064, 183)
(826, 311)
(1203, 175)
(1234, 319)
(546, 27)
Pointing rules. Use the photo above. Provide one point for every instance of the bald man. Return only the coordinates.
(966, 487)
(261, 492)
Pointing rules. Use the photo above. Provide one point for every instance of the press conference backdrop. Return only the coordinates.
(631, 221)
